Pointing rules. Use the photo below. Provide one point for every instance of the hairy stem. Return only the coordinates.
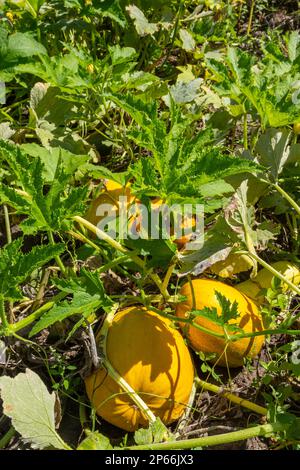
(7, 437)
(3, 317)
(37, 314)
(250, 17)
(57, 258)
(243, 434)
(230, 396)
(287, 197)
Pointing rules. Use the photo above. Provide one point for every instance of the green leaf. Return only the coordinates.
(95, 441)
(274, 151)
(82, 304)
(229, 310)
(185, 92)
(110, 9)
(30, 406)
(15, 267)
(52, 157)
(23, 45)
(47, 210)
(188, 42)
(88, 295)
(293, 44)
(156, 432)
(142, 25)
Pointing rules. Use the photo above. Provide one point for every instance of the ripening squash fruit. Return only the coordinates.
(187, 223)
(153, 358)
(296, 128)
(203, 293)
(110, 195)
(233, 264)
(263, 280)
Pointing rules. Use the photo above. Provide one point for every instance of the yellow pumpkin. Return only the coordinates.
(296, 128)
(233, 264)
(110, 195)
(152, 357)
(200, 293)
(188, 222)
(263, 280)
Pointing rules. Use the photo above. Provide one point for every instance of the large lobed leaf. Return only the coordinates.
(30, 406)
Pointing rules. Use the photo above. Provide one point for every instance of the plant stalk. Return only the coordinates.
(57, 258)
(287, 197)
(7, 437)
(231, 397)
(37, 314)
(3, 317)
(264, 430)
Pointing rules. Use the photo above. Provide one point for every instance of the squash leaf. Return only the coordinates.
(88, 295)
(156, 432)
(15, 266)
(95, 441)
(30, 406)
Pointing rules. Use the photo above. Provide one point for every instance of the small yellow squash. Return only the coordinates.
(152, 357)
(201, 293)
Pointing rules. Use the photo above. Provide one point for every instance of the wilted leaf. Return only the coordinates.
(30, 406)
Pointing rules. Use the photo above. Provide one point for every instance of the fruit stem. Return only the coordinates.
(114, 374)
(230, 396)
(265, 430)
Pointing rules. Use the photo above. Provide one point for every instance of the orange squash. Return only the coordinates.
(233, 264)
(153, 358)
(263, 280)
(202, 291)
(110, 195)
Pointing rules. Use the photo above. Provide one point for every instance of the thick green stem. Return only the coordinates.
(57, 258)
(250, 17)
(231, 397)
(7, 437)
(7, 224)
(37, 314)
(264, 430)
(168, 275)
(3, 317)
(287, 197)
(245, 131)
